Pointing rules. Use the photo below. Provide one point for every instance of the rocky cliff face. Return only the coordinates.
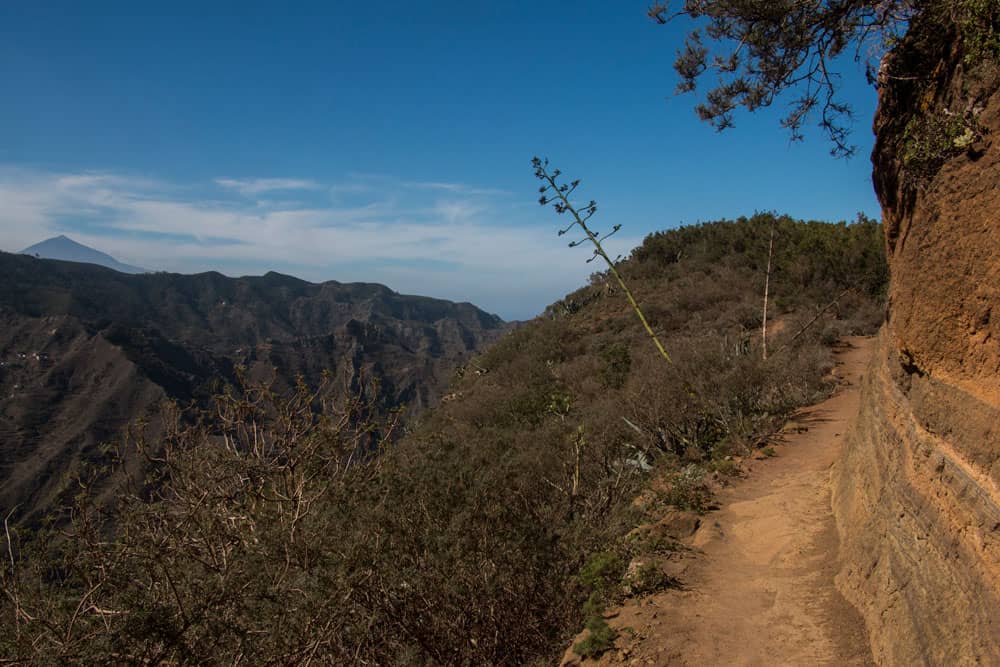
(918, 492)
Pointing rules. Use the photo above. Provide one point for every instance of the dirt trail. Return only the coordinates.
(759, 588)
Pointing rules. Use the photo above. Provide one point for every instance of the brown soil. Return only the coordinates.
(757, 587)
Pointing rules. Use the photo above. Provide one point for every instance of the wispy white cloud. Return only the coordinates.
(457, 210)
(255, 186)
(355, 188)
(456, 188)
(465, 246)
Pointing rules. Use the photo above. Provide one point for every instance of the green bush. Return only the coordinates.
(600, 638)
(688, 489)
(931, 139)
(648, 578)
(601, 571)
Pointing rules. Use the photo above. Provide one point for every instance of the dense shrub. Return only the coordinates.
(279, 532)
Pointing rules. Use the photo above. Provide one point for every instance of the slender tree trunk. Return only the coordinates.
(813, 320)
(767, 282)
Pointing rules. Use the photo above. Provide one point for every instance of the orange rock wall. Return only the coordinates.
(919, 524)
(917, 494)
(945, 258)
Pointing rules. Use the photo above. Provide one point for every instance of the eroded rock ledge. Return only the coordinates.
(917, 493)
(919, 524)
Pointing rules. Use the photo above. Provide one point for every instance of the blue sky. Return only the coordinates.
(386, 142)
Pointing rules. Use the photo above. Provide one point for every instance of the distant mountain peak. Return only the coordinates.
(66, 249)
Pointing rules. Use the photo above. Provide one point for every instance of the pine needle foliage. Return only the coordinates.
(757, 51)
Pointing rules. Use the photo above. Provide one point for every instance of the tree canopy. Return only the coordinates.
(763, 49)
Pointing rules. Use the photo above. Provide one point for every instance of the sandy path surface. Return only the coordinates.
(759, 587)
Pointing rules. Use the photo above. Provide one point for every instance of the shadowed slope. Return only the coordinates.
(85, 349)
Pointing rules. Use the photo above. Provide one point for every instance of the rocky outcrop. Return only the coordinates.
(917, 494)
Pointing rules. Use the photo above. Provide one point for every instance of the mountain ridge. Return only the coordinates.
(62, 247)
(85, 350)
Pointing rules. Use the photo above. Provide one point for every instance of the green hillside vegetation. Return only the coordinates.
(280, 531)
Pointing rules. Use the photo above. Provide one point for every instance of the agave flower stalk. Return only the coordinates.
(552, 192)
(767, 283)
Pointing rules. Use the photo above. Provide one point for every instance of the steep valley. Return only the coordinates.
(487, 534)
(748, 441)
(85, 350)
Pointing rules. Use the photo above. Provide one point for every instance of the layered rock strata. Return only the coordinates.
(917, 494)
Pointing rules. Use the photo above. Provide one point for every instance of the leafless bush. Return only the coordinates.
(230, 551)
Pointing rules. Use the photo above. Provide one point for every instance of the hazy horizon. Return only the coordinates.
(334, 144)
